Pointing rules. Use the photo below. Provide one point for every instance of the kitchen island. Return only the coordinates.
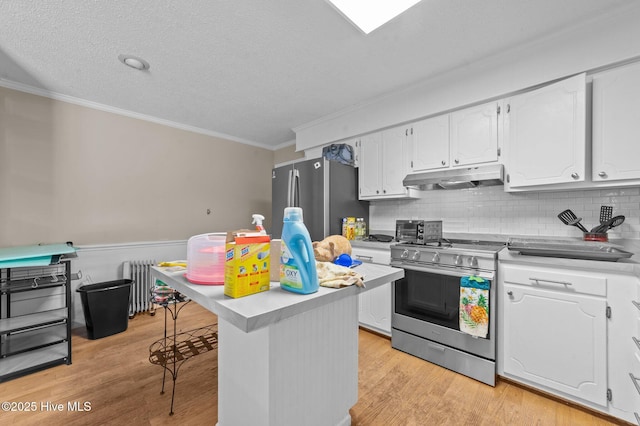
(285, 358)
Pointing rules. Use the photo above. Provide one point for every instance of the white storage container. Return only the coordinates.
(205, 259)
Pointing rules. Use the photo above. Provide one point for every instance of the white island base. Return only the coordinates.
(304, 367)
(284, 358)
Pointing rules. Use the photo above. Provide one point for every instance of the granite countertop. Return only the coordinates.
(259, 310)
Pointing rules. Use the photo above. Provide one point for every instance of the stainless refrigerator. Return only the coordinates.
(326, 191)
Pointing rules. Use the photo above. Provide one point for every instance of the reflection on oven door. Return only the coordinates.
(431, 300)
(429, 297)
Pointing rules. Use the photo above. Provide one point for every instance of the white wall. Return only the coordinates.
(490, 210)
(591, 46)
(99, 263)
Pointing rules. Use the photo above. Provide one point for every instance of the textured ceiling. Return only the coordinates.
(252, 70)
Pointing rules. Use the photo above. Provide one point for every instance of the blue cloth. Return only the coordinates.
(475, 282)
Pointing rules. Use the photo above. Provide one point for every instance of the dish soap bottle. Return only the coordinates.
(298, 270)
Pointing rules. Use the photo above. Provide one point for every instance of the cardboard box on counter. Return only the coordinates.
(247, 262)
(274, 267)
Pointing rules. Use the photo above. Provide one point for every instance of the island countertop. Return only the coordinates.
(253, 312)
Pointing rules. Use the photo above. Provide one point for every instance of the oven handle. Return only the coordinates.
(485, 275)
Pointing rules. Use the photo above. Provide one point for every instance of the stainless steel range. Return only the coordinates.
(425, 320)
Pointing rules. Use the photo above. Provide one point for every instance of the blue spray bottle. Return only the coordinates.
(298, 273)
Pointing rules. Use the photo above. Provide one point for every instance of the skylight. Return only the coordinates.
(371, 14)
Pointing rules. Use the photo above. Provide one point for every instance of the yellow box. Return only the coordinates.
(246, 268)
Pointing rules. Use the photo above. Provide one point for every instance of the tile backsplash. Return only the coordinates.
(490, 210)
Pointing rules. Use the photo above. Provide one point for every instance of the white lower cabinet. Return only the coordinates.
(624, 345)
(375, 309)
(374, 306)
(558, 340)
(569, 332)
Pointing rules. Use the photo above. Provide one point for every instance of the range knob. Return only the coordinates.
(436, 258)
(416, 255)
(404, 254)
(473, 262)
(457, 260)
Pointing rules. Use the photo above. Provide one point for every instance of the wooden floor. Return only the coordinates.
(115, 377)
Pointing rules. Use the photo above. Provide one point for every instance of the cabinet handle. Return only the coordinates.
(602, 174)
(510, 293)
(636, 304)
(384, 191)
(575, 175)
(438, 347)
(364, 258)
(377, 192)
(443, 162)
(539, 280)
(636, 341)
(635, 382)
(456, 161)
(508, 108)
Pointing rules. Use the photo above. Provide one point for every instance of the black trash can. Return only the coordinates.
(106, 307)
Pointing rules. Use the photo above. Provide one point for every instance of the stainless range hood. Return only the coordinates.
(464, 177)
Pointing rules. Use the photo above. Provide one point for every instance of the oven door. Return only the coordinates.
(426, 303)
(407, 231)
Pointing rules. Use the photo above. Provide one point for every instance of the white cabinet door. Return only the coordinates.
(616, 124)
(557, 339)
(474, 135)
(430, 143)
(545, 134)
(384, 163)
(624, 353)
(394, 161)
(370, 175)
(375, 309)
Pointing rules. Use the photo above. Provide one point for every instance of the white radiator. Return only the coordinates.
(140, 272)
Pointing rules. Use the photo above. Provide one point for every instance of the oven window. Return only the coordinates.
(406, 232)
(429, 297)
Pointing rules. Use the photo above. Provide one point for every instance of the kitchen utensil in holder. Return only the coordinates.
(568, 217)
(605, 213)
(611, 223)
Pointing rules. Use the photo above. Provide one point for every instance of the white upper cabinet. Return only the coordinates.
(545, 135)
(474, 135)
(462, 138)
(394, 160)
(616, 124)
(370, 174)
(384, 162)
(430, 140)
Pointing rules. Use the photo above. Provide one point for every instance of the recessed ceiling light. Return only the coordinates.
(371, 14)
(134, 62)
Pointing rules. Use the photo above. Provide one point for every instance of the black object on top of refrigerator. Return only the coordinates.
(326, 191)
